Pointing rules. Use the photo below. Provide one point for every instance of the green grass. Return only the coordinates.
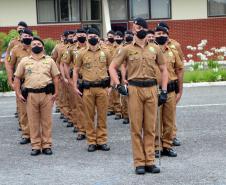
(204, 76)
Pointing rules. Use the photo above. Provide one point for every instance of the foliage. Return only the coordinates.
(49, 45)
(4, 87)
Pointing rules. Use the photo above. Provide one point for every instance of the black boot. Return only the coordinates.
(176, 142)
(152, 169)
(92, 148)
(126, 121)
(140, 170)
(170, 152)
(25, 141)
(35, 152)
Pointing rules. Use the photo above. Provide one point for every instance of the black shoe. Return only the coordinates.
(61, 116)
(75, 130)
(126, 121)
(65, 120)
(140, 170)
(19, 129)
(47, 151)
(110, 113)
(118, 116)
(69, 124)
(103, 147)
(16, 115)
(25, 141)
(35, 152)
(152, 169)
(157, 153)
(176, 142)
(170, 152)
(81, 137)
(92, 148)
(57, 110)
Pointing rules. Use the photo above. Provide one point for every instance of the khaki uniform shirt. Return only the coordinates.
(58, 52)
(14, 42)
(141, 63)
(17, 53)
(111, 49)
(37, 74)
(173, 62)
(173, 44)
(94, 64)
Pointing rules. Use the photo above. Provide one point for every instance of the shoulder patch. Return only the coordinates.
(172, 46)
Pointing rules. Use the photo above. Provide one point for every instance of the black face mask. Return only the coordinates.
(111, 40)
(70, 41)
(118, 41)
(141, 34)
(161, 40)
(37, 49)
(27, 41)
(129, 39)
(93, 41)
(81, 39)
(75, 41)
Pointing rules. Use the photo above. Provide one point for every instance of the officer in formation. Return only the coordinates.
(127, 75)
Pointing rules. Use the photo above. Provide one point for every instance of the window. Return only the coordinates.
(139, 8)
(118, 9)
(46, 11)
(216, 7)
(91, 10)
(150, 9)
(58, 11)
(163, 5)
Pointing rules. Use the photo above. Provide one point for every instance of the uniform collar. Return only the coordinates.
(42, 57)
(98, 47)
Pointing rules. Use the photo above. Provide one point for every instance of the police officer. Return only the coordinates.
(16, 55)
(150, 36)
(75, 101)
(14, 42)
(173, 44)
(174, 88)
(94, 63)
(128, 37)
(142, 60)
(39, 72)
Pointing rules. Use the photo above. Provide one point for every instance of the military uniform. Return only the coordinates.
(114, 98)
(37, 75)
(173, 44)
(94, 66)
(16, 55)
(75, 101)
(141, 66)
(168, 110)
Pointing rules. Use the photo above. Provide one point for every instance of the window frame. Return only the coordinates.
(208, 11)
(127, 13)
(150, 14)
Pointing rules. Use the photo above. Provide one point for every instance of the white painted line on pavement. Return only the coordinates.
(201, 105)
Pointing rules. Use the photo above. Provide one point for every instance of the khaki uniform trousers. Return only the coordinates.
(114, 102)
(60, 96)
(167, 121)
(77, 110)
(96, 99)
(142, 104)
(23, 120)
(66, 104)
(124, 106)
(39, 110)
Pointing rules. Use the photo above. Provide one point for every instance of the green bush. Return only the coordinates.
(204, 76)
(213, 64)
(4, 87)
(49, 45)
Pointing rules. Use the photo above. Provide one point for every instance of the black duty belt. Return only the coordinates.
(146, 83)
(103, 84)
(172, 86)
(48, 89)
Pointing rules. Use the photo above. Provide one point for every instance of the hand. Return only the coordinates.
(178, 97)
(125, 82)
(162, 98)
(54, 97)
(109, 90)
(21, 98)
(122, 90)
(66, 81)
(77, 91)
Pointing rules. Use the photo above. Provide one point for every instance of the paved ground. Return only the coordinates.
(201, 159)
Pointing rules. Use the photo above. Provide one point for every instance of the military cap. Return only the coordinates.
(38, 38)
(160, 28)
(22, 23)
(93, 31)
(141, 22)
(163, 24)
(27, 31)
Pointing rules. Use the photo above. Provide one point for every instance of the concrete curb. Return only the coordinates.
(186, 85)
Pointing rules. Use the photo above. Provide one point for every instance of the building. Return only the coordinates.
(189, 20)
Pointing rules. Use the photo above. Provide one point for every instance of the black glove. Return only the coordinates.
(162, 98)
(122, 90)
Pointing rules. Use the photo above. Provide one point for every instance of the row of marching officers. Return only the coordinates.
(135, 76)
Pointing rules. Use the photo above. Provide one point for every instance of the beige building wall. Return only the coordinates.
(13, 11)
(189, 9)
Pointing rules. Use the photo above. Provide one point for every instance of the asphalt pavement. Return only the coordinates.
(201, 120)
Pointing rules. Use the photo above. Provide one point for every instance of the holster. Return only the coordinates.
(24, 92)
